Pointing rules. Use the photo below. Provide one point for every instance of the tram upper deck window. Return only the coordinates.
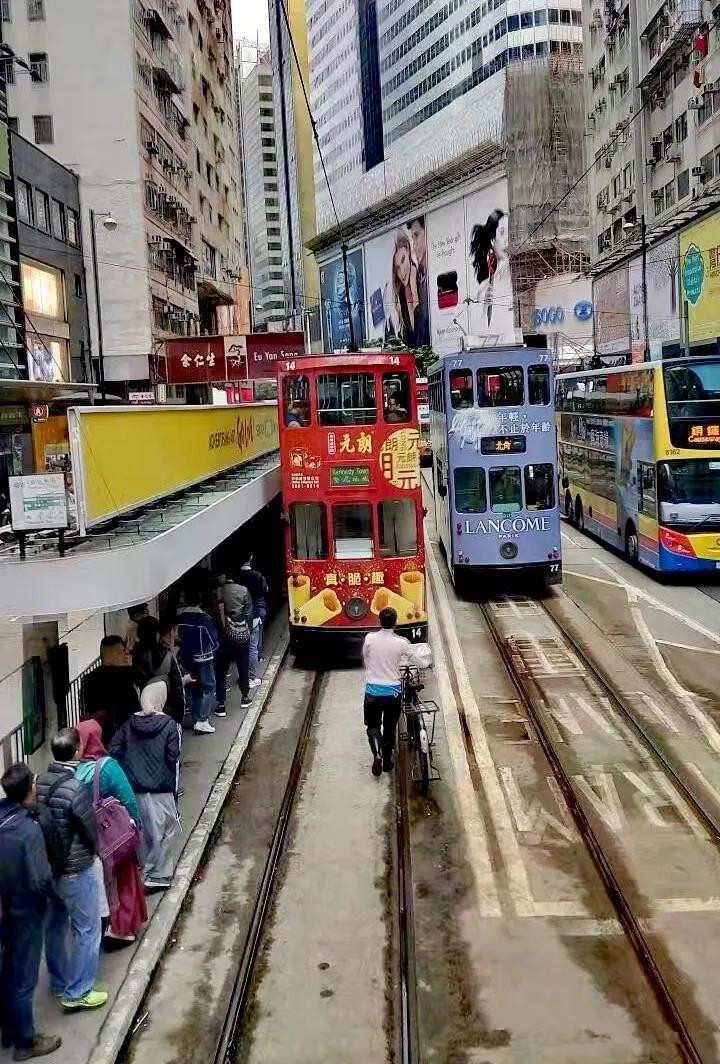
(307, 531)
(396, 397)
(539, 385)
(539, 487)
(296, 401)
(352, 530)
(397, 527)
(461, 389)
(470, 496)
(506, 490)
(346, 399)
(502, 386)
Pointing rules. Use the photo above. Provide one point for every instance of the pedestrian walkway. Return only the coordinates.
(203, 759)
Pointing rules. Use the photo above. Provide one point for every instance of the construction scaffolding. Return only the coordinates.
(544, 129)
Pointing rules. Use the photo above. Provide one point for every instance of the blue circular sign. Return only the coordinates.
(693, 274)
(584, 310)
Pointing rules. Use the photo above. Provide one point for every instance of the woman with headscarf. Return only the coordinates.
(123, 886)
(148, 748)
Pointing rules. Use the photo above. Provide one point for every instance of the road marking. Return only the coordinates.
(686, 646)
(662, 715)
(662, 906)
(603, 797)
(485, 887)
(532, 817)
(518, 882)
(595, 579)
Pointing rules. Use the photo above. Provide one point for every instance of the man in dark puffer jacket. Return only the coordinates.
(76, 898)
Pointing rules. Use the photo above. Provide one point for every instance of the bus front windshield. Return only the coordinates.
(689, 492)
(693, 390)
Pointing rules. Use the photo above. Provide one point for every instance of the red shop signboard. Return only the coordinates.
(265, 350)
(192, 360)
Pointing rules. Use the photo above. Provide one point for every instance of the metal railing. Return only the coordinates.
(73, 700)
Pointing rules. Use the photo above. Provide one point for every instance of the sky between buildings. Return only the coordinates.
(250, 17)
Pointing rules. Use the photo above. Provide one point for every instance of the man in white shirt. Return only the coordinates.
(384, 654)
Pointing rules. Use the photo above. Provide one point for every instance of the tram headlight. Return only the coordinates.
(356, 608)
(509, 551)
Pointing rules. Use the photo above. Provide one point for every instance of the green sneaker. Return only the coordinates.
(94, 999)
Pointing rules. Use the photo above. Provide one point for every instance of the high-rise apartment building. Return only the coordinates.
(652, 92)
(296, 175)
(146, 116)
(260, 184)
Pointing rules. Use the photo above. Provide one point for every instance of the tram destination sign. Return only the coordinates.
(349, 476)
(503, 445)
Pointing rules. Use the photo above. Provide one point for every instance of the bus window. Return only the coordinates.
(461, 389)
(396, 397)
(307, 527)
(539, 487)
(346, 399)
(506, 490)
(539, 385)
(648, 494)
(397, 527)
(693, 391)
(500, 387)
(470, 497)
(352, 530)
(296, 401)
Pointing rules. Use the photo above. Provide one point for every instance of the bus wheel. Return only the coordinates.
(569, 507)
(579, 515)
(632, 549)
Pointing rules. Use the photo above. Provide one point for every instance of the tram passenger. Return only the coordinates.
(108, 693)
(384, 654)
(257, 585)
(394, 412)
(198, 646)
(236, 612)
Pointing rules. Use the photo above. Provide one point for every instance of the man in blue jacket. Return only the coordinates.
(25, 879)
(198, 645)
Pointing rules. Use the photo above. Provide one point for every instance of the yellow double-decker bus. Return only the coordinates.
(639, 459)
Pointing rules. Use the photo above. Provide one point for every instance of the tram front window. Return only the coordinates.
(346, 399)
(461, 388)
(307, 528)
(539, 385)
(539, 487)
(397, 527)
(502, 386)
(470, 495)
(296, 401)
(506, 490)
(352, 530)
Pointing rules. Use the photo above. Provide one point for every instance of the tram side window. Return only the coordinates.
(500, 387)
(461, 389)
(307, 530)
(352, 530)
(506, 490)
(397, 527)
(470, 494)
(346, 399)
(539, 385)
(539, 487)
(396, 397)
(296, 401)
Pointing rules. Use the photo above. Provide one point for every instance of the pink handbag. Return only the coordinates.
(117, 834)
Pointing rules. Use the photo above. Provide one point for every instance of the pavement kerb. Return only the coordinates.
(628, 686)
(152, 946)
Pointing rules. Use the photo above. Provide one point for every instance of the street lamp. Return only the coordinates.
(110, 225)
(627, 226)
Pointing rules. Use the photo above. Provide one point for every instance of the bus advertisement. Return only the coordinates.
(639, 460)
(350, 461)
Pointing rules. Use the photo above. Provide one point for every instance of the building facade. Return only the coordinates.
(260, 184)
(145, 117)
(652, 94)
(52, 268)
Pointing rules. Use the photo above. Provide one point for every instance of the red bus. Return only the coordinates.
(350, 459)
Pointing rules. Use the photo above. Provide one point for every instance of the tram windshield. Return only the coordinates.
(346, 399)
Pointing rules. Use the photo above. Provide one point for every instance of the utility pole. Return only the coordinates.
(643, 237)
(352, 345)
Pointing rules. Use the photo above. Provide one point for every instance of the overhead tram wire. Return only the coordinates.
(352, 345)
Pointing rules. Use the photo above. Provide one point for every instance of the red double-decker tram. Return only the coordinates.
(350, 455)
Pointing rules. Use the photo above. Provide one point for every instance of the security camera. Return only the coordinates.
(110, 223)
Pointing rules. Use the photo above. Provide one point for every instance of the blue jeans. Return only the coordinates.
(73, 971)
(202, 692)
(22, 938)
(255, 644)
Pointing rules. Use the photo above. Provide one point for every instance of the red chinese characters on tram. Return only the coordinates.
(350, 455)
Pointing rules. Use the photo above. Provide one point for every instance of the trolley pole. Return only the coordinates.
(352, 345)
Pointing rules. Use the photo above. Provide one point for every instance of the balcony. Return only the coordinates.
(167, 66)
(667, 32)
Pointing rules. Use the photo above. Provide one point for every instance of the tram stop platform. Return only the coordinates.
(208, 767)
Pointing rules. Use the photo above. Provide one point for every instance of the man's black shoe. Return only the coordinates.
(42, 1046)
(388, 763)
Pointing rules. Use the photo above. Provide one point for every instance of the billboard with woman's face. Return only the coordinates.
(335, 322)
(396, 285)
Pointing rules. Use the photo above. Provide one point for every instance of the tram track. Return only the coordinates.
(633, 925)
